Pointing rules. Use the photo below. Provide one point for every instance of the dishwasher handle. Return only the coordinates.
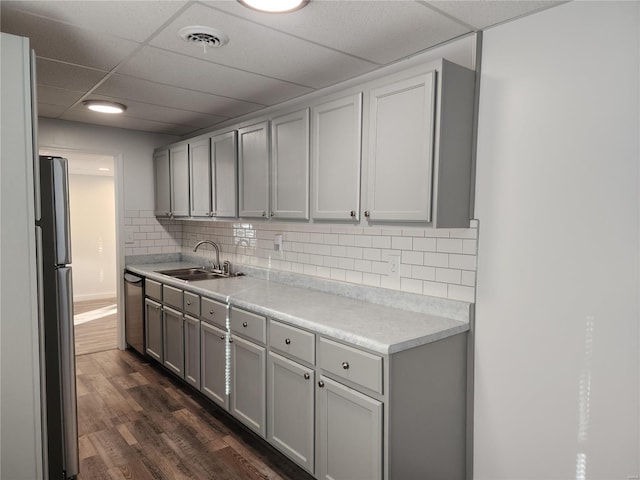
(129, 278)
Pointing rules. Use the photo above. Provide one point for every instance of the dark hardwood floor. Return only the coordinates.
(134, 422)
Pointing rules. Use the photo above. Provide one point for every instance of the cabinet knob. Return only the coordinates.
(157, 307)
(231, 340)
(345, 365)
(307, 376)
(321, 384)
(287, 341)
(367, 213)
(210, 312)
(244, 324)
(273, 214)
(188, 302)
(352, 213)
(221, 337)
(264, 214)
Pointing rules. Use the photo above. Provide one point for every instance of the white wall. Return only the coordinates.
(135, 148)
(557, 324)
(93, 234)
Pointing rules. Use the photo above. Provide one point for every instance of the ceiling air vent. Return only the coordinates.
(206, 37)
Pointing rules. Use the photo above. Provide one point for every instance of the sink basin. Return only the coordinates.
(192, 274)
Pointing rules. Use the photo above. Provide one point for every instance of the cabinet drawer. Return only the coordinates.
(172, 296)
(249, 324)
(153, 289)
(192, 304)
(293, 341)
(351, 364)
(214, 312)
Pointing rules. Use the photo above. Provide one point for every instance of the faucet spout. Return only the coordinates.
(214, 245)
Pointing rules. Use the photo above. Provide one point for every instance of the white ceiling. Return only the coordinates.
(130, 52)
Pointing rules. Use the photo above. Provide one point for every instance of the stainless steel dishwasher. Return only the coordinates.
(134, 311)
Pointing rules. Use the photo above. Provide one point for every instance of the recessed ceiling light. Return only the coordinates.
(274, 6)
(104, 106)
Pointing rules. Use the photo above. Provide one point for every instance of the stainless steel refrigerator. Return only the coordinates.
(60, 419)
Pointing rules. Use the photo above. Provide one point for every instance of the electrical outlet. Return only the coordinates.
(277, 242)
(128, 237)
(394, 266)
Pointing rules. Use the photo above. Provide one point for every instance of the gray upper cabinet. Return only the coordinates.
(200, 178)
(162, 170)
(401, 125)
(336, 156)
(420, 135)
(253, 160)
(179, 156)
(290, 165)
(224, 161)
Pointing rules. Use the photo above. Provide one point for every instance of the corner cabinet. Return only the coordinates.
(253, 162)
(162, 170)
(336, 152)
(420, 147)
(290, 166)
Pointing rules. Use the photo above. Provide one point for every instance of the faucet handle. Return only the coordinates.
(226, 267)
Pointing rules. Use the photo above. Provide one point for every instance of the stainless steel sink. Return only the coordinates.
(192, 274)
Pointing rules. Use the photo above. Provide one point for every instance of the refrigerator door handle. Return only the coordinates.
(68, 371)
(61, 211)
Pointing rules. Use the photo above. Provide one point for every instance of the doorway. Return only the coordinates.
(92, 212)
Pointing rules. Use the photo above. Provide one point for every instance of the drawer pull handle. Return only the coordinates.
(307, 376)
(244, 324)
(321, 384)
(287, 341)
(345, 365)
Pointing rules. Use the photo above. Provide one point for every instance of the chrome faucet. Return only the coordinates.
(215, 266)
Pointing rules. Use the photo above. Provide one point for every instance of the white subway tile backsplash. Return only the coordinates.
(437, 262)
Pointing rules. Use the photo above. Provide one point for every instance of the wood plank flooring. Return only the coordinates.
(135, 422)
(96, 335)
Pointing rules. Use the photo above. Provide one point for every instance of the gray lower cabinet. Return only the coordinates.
(350, 433)
(248, 384)
(213, 364)
(290, 415)
(153, 329)
(173, 345)
(192, 351)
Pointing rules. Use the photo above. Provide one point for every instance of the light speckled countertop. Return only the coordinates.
(378, 328)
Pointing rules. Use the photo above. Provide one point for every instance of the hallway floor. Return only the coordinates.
(95, 325)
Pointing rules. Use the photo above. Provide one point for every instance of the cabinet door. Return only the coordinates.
(336, 156)
(350, 425)
(214, 350)
(153, 329)
(173, 334)
(192, 351)
(200, 178)
(401, 132)
(248, 383)
(290, 415)
(224, 154)
(180, 180)
(162, 170)
(290, 165)
(253, 159)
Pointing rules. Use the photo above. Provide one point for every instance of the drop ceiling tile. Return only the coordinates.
(60, 41)
(255, 48)
(150, 92)
(191, 73)
(149, 111)
(484, 13)
(125, 19)
(119, 121)
(63, 75)
(58, 96)
(380, 31)
(50, 111)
